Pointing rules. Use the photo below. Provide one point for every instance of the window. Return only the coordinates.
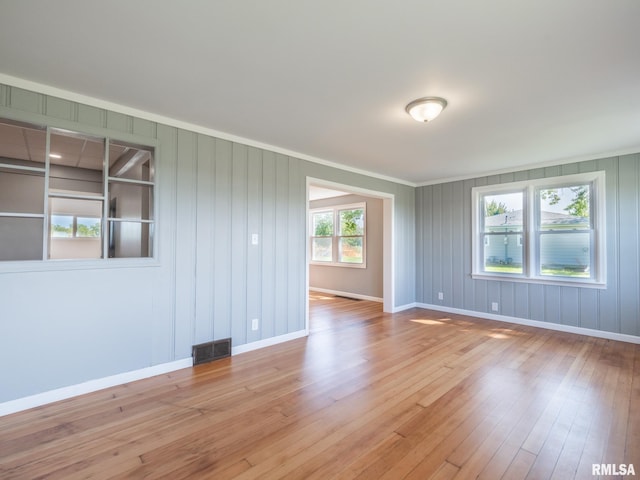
(547, 230)
(67, 195)
(338, 235)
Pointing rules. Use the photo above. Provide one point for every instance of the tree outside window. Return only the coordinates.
(338, 235)
(548, 230)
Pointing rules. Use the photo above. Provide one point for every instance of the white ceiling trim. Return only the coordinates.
(533, 166)
(172, 122)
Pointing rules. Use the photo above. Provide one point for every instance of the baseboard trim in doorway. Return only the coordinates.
(338, 293)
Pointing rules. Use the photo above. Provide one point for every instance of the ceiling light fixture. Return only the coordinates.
(426, 109)
(55, 155)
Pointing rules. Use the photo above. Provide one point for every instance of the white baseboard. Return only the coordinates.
(401, 308)
(622, 337)
(39, 399)
(267, 342)
(63, 393)
(346, 294)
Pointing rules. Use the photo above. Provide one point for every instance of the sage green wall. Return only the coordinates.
(64, 325)
(443, 254)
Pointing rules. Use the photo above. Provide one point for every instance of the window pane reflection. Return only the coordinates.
(21, 238)
(129, 239)
(130, 162)
(22, 144)
(130, 201)
(76, 164)
(21, 192)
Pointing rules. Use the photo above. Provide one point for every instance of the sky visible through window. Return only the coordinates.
(513, 201)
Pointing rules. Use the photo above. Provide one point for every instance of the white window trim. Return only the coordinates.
(528, 187)
(46, 264)
(335, 238)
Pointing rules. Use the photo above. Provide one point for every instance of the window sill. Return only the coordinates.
(80, 264)
(337, 264)
(541, 281)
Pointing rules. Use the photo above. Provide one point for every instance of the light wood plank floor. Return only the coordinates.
(367, 395)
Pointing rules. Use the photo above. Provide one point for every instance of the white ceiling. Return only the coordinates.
(528, 82)
(320, 193)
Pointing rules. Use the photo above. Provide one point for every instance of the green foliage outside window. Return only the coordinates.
(351, 222)
(579, 204)
(62, 230)
(494, 208)
(92, 230)
(323, 225)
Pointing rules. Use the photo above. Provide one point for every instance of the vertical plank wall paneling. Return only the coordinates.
(629, 208)
(281, 229)
(468, 292)
(269, 245)
(239, 243)
(609, 319)
(205, 239)
(614, 309)
(457, 242)
(220, 270)
(208, 281)
(254, 254)
(446, 238)
(185, 244)
(404, 247)
(163, 313)
(296, 231)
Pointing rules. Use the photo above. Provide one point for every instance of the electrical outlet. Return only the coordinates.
(254, 324)
(494, 306)
(254, 239)
(440, 296)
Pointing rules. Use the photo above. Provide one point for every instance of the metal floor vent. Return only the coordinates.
(207, 352)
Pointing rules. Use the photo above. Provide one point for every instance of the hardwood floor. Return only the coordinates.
(367, 395)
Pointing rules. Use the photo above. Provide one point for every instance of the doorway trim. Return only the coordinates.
(388, 235)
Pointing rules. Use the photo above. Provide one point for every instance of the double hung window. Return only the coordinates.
(548, 230)
(338, 235)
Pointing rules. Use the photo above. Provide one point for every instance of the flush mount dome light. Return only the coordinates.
(426, 109)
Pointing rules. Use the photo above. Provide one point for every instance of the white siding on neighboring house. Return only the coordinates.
(567, 249)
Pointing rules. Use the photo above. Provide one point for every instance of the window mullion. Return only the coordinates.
(46, 221)
(531, 229)
(106, 228)
(335, 241)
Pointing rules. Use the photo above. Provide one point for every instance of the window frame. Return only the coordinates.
(57, 126)
(336, 236)
(531, 231)
(74, 227)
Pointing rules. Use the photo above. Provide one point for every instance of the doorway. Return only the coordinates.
(315, 186)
